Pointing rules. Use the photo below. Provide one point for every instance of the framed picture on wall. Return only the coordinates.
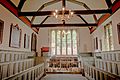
(1, 30)
(118, 29)
(26, 41)
(15, 36)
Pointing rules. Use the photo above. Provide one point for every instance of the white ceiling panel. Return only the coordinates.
(29, 17)
(16, 2)
(73, 6)
(95, 4)
(52, 20)
(99, 15)
(89, 18)
(112, 1)
(33, 5)
(75, 19)
(53, 7)
(39, 19)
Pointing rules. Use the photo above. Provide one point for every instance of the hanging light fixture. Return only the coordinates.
(63, 16)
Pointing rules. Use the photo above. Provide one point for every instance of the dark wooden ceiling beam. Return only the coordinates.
(95, 18)
(114, 8)
(45, 5)
(44, 19)
(86, 7)
(14, 10)
(63, 3)
(109, 3)
(82, 19)
(64, 25)
(82, 12)
(21, 3)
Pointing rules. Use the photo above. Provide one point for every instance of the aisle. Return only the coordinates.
(64, 77)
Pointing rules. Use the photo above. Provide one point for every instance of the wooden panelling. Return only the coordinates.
(34, 73)
(10, 68)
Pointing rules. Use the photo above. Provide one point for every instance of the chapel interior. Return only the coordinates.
(59, 39)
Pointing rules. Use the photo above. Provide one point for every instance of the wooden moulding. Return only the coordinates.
(1, 30)
(118, 29)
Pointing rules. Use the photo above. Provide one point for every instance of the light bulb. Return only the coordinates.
(56, 11)
(63, 8)
(71, 13)
(56, 16)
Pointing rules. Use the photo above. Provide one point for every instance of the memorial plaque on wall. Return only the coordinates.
(15, 36)
(1, 30)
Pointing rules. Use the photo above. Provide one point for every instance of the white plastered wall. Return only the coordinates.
(115, 18)
(83, 34)
(43, 39)
(84, 40)
(8, 18)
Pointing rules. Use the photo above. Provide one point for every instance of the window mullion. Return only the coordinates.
(71, 43)
(66, 46)
(51, 43)
(61, 43)
(55, 42)
(77, 38)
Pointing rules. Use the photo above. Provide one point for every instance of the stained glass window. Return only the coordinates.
(64, 42)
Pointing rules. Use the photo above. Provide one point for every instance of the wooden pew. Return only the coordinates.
(33, 73)
(97, 74)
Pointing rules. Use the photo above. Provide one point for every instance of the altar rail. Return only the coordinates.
(7, 55)
(11, 68)
(97, 74)
(108, 55)
(34, 73)
(109, 66)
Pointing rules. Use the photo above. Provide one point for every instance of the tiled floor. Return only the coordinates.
(64, 77)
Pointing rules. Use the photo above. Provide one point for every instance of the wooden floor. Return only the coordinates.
(64, 77)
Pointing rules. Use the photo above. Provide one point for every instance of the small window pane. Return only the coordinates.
(74, 42)
(58, 42)
(69, 43)
(53, 43)
(63, 43)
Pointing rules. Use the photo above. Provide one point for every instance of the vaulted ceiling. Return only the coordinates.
(34, 5)
(87, 12)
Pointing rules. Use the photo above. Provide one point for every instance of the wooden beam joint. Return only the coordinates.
(109, 3)
(14, 10)
(21, 3)
(63, 3)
